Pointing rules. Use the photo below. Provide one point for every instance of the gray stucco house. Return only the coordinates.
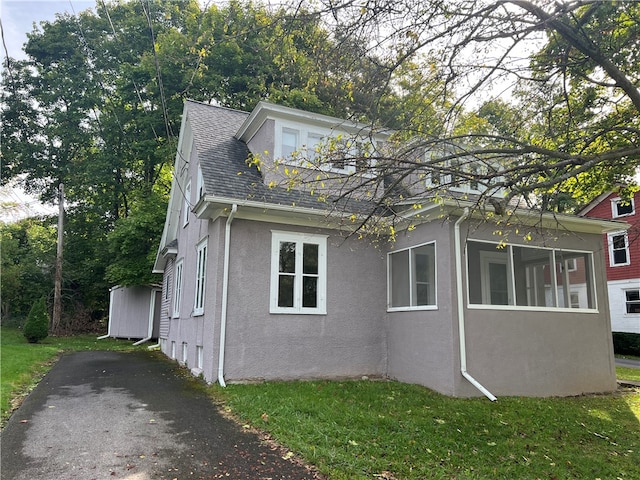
(261, 282)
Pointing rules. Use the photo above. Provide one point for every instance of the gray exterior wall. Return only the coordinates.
(423, 345)
(348, 341)
(541, 353)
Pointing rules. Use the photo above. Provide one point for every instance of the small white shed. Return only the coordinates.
(134, 312)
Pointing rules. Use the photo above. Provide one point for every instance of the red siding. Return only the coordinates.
(604, 210)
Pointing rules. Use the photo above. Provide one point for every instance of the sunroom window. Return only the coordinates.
(524, 276)
(412, 278)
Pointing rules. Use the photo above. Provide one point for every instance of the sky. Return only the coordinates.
(18, 17)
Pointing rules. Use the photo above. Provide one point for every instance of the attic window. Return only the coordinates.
(289, 144)
(200, 183)
(622, 208)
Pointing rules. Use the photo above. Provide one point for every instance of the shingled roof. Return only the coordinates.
(223, 161)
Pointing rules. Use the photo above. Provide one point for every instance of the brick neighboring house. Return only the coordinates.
(622, 257)
(263, 282)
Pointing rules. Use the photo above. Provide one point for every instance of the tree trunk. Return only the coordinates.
(57, 288)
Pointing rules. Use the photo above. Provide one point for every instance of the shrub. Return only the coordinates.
(626, 343)
(37, 326)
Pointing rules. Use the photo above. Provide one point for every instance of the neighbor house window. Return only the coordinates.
(622, 208)
(298, 273)
(529, 276)
(618, 249)
(177, 288)
(201, 270)
(185, 352)
(412, 277)
(632, 298)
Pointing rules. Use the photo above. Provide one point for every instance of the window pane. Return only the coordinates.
(533, 277)
(633, 301)
(489, 276)
(575, 289)
(633, 295)
(289, 141)
(619, 256)
(498, 284)
(424, 275)
(287, 257)
(285, 291)
(310, 258)
(399, 282)
(624, 208)
(310, 292)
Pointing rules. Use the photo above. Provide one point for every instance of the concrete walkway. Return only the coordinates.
(108, 415)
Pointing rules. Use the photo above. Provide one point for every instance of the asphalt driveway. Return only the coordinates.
(108, 415)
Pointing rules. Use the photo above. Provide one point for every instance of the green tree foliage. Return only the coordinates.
(542, 96)
(133, 242)
(28, 258)
(37, 326)
(97, 104)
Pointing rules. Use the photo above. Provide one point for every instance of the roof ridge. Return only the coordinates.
(221, 107)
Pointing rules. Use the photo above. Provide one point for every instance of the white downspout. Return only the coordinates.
(110, 314)
(225, 295)
(461, 324)
(152, 313)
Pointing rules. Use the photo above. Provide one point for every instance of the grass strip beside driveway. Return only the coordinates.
(23, 364)
(389, 430)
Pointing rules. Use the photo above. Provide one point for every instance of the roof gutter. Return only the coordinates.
(225, 295)
(461, 318)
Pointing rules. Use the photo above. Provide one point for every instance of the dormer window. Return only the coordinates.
(290, 140)
(622, 208)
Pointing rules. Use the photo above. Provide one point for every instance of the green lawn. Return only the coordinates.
(388, 430)
(366, 430)
(22, 364)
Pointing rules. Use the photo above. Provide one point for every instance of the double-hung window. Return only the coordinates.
(412, 278)
(201, 270)
(298, 273)
(618, 249)
(177, 288)
(632, 301)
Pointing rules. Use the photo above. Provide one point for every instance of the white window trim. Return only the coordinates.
(435, 280)
(177, 287)
(187, 204)
(521, 308)
(614, 208)
(321, 241)
(201, 277)
(626, 246)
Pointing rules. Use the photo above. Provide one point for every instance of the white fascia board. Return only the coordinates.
(266, 110)
(552, 221)
(175, 204)
(212, 207)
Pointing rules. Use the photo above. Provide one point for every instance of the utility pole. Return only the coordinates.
(57, 288)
